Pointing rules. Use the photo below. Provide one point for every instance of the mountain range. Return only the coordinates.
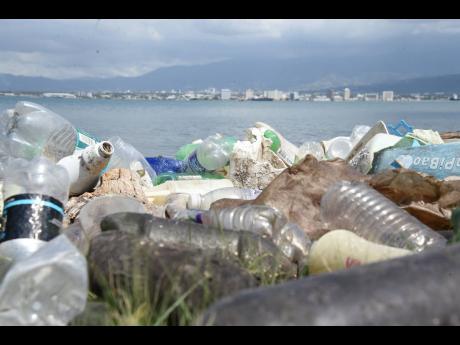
(287, 74)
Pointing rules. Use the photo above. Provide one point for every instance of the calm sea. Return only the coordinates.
(161, 127)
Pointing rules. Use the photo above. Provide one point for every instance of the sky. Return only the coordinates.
(63, 49)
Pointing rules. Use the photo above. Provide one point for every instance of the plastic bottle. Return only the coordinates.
(204, 201)
(212, 154)
(46, 284)
(166, 165)
(33, 130)
(366, 212)
(126, 156)
(159, 194)
(187, 149)
(280, 145)
(340, 249)
(310, 147)
(339, 147)
(85, 166)
(35, 193)
(265, 221)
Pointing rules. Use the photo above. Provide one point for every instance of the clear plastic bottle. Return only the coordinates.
(126, 156)
(32, 130)
(212, 154)
(358, 132)
(310, 147)
(46, 283)
(85, 166)
(364, 211)
(203, 202)
(265, 221)
(34, 196)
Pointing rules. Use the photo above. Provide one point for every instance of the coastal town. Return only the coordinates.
(213, 94)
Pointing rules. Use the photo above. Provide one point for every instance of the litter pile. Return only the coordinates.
(81, 215)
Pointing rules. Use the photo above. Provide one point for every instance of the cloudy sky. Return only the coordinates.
(104, 48)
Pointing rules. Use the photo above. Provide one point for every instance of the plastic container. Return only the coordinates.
(46, 285)
(187, 149)
(85, 166)
(32, 130)
(341, 249)
(264, 221)
(280, 145)
(126, 156)
(366, 212)
(358, 133)
(310, 147)
(203, 202)
(159, 194)
(212, 154)
(35, 193)
(163, 165)
(161, 178)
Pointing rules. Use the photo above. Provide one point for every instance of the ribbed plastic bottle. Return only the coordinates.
(33, 130)
(85, 166)
(203, 202)
(212, 154)
(46, 283)
(265, 221)
(364, 211)
(34, 196)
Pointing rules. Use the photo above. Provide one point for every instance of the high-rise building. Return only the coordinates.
(249, 94)
(346, 94)
(387, 96)
(225, 94)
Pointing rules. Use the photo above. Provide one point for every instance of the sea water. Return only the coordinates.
(161, 127)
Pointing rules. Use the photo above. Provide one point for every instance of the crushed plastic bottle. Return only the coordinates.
(203, 202)
(32, 130)
(187, 149)
(266, 222)
(46, 283)
(35, 193)
(366, 212)
(212, 154)
(339, 147)
(312, 148)
(126, 156)
(163, 165)
(85, 166)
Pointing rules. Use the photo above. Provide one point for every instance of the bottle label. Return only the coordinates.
(194, 165)
(285, 157)
(84, 140)
(34, 216)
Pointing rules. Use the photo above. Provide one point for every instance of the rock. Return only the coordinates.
(419, 289)
(297, 191)
(115, 181)
(164, 273)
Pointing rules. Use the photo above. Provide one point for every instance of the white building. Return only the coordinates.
(346, 94)
(225, 94)
(249, 94)
(371, 96)
(387, 96)
(276, 95)
(294, 96)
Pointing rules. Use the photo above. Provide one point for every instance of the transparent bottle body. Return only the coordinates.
(40, 176)
(359, 208)
(214, 152)
(340, 147)
(358, 132)
(310, 147)
(33, 130)
(48, 286)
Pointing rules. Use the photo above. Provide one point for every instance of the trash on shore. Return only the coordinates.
(230, 213)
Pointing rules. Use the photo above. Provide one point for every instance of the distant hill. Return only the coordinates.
(285, 74)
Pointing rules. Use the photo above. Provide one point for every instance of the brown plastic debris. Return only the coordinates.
(297, 191)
